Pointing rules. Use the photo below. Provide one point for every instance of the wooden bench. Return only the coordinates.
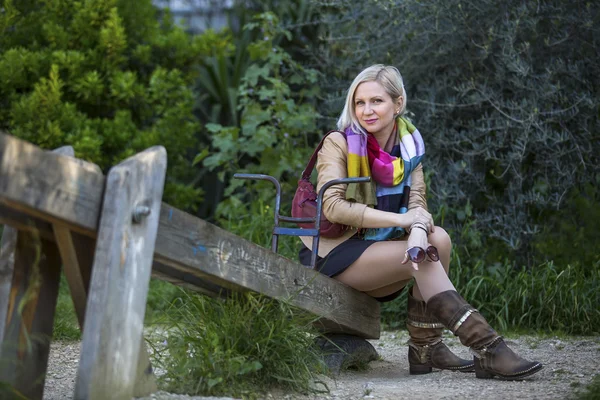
(110, 235)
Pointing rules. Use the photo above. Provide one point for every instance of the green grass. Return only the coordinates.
(66, 326)
(590, 392)
(241, 346)
(545, 299)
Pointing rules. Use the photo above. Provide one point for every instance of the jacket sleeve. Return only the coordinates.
(331, 164)
(418, 189)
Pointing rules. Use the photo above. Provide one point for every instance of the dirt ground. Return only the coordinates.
(569, 365)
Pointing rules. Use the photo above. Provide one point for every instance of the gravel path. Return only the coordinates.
(569, 363)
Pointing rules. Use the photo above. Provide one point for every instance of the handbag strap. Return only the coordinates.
(313, 159)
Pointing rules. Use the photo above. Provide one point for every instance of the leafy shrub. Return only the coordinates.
(276, 121)
(104, 76)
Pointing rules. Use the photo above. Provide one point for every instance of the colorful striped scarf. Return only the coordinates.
(390, 171)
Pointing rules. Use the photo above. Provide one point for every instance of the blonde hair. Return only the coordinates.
(387, 76)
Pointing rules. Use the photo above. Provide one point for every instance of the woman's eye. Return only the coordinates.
(360, 103)
(377, 101)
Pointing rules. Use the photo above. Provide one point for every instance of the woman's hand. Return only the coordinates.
(417, 238)
(418, 214)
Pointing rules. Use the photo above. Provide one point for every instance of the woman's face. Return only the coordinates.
(374, 108)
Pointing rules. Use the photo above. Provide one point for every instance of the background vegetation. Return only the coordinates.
(505, 93)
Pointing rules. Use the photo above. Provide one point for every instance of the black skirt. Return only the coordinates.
(340, 258)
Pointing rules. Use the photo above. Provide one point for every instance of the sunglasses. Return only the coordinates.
(417, 254)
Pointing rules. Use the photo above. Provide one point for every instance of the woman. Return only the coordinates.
(392, 238)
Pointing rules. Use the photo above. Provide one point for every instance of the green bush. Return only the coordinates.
(277, 120)
(104, 76)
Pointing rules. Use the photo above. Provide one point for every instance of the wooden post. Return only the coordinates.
(120, 276)
(30, 315)
(28, 295)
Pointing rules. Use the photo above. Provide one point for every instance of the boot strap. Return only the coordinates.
(424, 351)
(460, 317)
(480, 353)
(427, 325)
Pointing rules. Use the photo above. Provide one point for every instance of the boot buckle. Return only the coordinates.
(424, 351)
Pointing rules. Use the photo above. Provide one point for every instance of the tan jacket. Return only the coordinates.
(331, 164)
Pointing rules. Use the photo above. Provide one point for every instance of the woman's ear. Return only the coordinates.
(399, 104)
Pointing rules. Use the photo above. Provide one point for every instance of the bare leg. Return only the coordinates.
(389, 289)
(379, 266)
(441, 240)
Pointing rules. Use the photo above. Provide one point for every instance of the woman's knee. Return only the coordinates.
(440, 239)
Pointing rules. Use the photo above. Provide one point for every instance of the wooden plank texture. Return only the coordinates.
(112, 336)
(8, 244)
(54, 187)
(30, 315)
(188, 244)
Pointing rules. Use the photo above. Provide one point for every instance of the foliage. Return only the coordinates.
(577, 220)
(267, 343)
(505, 94)
(104, 76)
(544, 298)
(276, 119)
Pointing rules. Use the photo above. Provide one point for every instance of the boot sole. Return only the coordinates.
(483, 374)
(424, 369)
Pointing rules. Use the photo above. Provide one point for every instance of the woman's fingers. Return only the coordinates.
(405, 260)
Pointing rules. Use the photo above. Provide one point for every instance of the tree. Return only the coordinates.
(505, 93)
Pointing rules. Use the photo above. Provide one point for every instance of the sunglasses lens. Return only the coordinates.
(416, 254)
(433, 253)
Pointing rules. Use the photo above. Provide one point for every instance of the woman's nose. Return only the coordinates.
(368, 109)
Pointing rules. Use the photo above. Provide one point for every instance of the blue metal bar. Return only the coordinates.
(295, 231)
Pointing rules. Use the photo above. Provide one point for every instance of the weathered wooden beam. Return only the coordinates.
(114, 317)
(208, 252)
(184, 242)
(30, 315)
(23, 222)
(53, 187)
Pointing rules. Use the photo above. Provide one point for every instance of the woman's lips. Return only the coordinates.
(371, 121)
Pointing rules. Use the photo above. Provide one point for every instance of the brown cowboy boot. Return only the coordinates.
(425, 347)
(492, 356)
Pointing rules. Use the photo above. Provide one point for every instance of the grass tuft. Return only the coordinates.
(591, 391)
(241, 346)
